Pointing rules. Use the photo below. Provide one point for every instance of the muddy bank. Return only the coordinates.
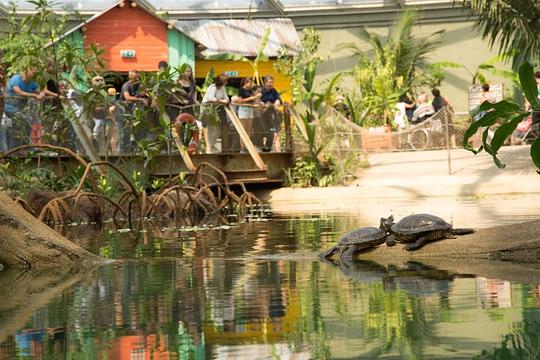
(519, 243)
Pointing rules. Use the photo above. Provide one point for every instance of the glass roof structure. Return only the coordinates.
(281, 7)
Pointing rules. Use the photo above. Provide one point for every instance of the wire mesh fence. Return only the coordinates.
(342, 141)
(442, 130)
(348, 144)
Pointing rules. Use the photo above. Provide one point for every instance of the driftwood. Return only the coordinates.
(26, 242)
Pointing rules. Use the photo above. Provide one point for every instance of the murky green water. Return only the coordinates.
(254, 291)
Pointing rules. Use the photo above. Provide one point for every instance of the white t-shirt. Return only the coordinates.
(401, 115)
(214, 94)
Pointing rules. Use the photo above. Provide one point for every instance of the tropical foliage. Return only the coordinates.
(35, 41)
(314, 168)
(510, 114)
(510, 25)
(394, 65)
(299, 68)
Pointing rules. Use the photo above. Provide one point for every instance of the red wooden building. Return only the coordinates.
(134, 37)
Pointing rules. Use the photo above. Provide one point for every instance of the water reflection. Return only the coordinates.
(253, 290)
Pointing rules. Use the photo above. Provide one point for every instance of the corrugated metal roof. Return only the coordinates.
(241, 36)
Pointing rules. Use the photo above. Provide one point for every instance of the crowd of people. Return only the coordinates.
(115, 125)
(200, 118)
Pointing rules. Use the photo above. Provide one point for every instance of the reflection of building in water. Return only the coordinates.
(493, 293)
(133, 347)
(256, 302)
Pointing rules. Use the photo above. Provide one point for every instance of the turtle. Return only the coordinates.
(419, 229)
(356, 240)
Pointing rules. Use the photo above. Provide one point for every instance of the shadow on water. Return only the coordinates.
(255, 290)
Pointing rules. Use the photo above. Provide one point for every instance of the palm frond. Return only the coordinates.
(510, 24)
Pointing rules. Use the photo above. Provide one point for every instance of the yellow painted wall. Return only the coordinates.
(281, 83)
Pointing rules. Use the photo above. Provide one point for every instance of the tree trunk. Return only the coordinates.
(25, 242)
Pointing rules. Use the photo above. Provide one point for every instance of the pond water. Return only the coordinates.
(255, 291)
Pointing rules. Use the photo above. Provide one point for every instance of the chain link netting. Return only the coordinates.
(340, 139)
(348, 144)
(442, 130)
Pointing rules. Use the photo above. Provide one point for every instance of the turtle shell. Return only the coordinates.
(414, 224)
(362, 235)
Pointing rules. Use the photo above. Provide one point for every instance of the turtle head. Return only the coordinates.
(386, 223)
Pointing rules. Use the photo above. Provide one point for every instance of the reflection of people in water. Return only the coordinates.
(493, 293)
(30, 342)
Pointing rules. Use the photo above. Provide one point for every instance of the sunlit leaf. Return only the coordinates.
(535, 153)
(503, 106)
(488, 119)
(505, 130)
(528, 84)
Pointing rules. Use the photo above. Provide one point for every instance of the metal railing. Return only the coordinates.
(123, 128)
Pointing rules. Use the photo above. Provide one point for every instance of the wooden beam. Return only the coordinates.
(83, 133)
(183, 151)
(245, 138)
(299, 123)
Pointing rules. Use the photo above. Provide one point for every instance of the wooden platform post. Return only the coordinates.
(183, 151)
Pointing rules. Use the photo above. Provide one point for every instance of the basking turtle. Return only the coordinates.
(356, 240)
(419, 229)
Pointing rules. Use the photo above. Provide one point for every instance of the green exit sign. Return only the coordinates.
(129, 54)
(231, 73)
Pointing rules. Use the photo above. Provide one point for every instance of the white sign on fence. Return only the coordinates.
(475, 93)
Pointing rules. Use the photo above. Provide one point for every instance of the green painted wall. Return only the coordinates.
(181, 49)
(460, 44)
(77, 38)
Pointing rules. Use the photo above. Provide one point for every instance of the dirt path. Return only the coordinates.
(419, 175)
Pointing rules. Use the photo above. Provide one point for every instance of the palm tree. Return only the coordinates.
(394, 65)
(511, 24)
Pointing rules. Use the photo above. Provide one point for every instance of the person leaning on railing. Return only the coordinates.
(246, 96)
(216, 94)
(16, 127)
(129, 97)
(272, 116)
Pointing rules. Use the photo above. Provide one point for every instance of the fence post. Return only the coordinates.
(332, 113)
(288, 134)
(446, 117)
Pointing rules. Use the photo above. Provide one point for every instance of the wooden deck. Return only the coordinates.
(237, 166)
